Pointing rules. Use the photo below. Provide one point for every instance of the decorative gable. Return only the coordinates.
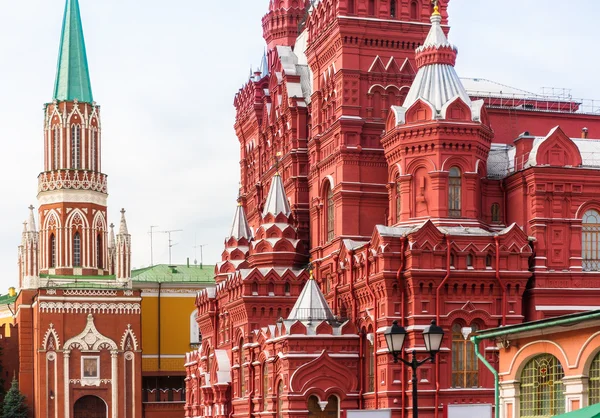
(90, 339)
(557, 150)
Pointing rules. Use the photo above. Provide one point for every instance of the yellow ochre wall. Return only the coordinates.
(175, 330)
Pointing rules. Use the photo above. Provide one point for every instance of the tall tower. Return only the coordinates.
(72, 190)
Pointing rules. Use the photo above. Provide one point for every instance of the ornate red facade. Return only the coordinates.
(415, 199)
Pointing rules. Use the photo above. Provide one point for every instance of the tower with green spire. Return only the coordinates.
(72, 189)
(72, 75)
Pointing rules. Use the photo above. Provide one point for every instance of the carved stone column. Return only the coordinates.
(66, 377)
(114, 383)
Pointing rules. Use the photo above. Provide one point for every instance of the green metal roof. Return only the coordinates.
(7, 299)
(72, 74)
(564, 320)
(163, 273)
(589, 412)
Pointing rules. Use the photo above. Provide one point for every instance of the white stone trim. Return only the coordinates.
(90, 308)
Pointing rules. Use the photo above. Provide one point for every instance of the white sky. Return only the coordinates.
(165, 74)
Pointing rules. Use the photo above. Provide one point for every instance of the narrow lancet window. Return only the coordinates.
(77, 250)
(75, 147)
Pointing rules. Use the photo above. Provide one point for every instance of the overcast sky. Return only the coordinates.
(165, 74)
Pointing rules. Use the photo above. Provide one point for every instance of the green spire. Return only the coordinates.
(72, 75)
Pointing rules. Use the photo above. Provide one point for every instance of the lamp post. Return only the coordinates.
(395, 337)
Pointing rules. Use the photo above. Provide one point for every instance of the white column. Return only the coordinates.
(509, 399)
(66, 356)
(576, 392)
(115, 384)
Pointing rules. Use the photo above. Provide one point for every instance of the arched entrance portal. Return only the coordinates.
(90, 407)
(332, 409)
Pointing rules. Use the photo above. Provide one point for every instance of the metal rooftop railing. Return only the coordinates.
(540, 103)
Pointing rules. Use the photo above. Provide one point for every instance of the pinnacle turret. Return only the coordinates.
(111, 237)
(72, 75)
(123, 225)
(31, 222)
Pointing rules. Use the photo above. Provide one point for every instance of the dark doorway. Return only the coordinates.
(330, 411)
(90, 407)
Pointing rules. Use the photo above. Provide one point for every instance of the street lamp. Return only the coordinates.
(395, 337)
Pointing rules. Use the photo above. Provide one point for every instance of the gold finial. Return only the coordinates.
(436, 8)
(311, 277)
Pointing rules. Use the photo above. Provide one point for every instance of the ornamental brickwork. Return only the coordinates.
(415, 199)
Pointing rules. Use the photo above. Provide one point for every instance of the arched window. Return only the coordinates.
(56, 148)
(465, 371)
(398, 199)
(93, 151)
(242, 376)
(280, 399)
(77, 250)
(194, 329)
(392, 8)
(591, 241)
(542, 388)
(371, 8)
(265, 391)
(454, 193)
(369, 363)
(414, 10)
(495, 213)
(75, 146)
(330, 215)
(99, 251)
(287, 288)
(351, 9)
(52, 251)
(594, 382)
(452, 259)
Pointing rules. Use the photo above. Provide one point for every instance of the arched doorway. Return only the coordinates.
(332, 410)
(90, 407)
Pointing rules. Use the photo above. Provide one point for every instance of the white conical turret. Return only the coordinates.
(436, 84)
(277, 201)
(311, 304)
(239, 227)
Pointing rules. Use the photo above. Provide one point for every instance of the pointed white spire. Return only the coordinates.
(123, 225)
(240, 227)
(277, 201)
(436, 82)
(436, 37)
(311, 304)
(111, 236)
(31, 221)
(24, 235)
(264, 66)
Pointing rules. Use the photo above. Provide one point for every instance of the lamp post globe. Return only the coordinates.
(433, 335)
(394, 338)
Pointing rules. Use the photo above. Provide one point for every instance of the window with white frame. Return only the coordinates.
(590, 237)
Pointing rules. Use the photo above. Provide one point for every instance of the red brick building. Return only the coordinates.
(78, 317)
(416, 194)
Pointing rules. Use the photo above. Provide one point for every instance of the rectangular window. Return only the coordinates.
(465, 369)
